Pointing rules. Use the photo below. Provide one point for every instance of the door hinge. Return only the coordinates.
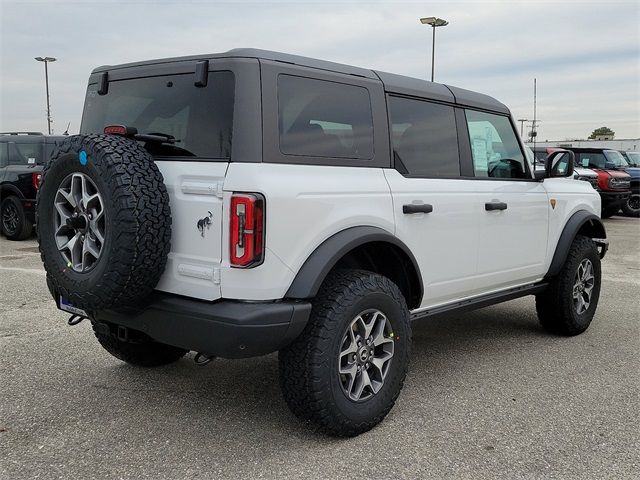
(219, 191)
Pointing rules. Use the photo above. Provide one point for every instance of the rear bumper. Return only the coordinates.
(612, 199)
(224, 328)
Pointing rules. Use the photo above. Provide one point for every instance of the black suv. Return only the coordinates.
(22, 155)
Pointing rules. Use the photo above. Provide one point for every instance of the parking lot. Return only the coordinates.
(489, 395)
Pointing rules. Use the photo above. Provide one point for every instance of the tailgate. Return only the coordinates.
(195, 193)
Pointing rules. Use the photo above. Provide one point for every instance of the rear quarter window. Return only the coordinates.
(319, 118)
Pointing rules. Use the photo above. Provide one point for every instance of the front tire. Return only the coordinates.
(631, 208)
(13, 219)
(568, 305)
(345, 371)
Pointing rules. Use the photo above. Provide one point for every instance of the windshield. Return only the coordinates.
(200, 118)
(615, 158)
(633, 158)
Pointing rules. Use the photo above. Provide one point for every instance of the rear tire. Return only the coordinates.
(320, 376)
(631, 208)
(140, 350)
(559, 307)
(13, 220)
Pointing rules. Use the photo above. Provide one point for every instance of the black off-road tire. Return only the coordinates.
(23, 228)
(140, 350)
(555, 306)
(309, 367)
(628, 206)
(138, 222)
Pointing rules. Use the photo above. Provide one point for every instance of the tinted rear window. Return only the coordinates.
(26, 154)
(200, 118)
(318, 118)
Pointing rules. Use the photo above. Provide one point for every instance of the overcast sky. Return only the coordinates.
(585, 55)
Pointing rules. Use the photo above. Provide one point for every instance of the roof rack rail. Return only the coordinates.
(21, 133)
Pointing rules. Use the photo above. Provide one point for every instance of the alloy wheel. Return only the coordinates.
(79, 222)
(365, 355)
(583, 286)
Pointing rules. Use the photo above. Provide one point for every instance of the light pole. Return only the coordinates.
(46, 60)
(434, 22)
(522, 120)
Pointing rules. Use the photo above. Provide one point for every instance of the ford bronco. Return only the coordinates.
(248, 202)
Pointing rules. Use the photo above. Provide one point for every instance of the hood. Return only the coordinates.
(633, 171)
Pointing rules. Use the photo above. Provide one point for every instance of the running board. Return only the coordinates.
(482, 301)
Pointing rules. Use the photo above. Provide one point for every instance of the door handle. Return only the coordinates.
(417, 208)
(490, 206)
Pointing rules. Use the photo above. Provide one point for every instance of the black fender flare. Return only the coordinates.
(576, 222)
(314, 270)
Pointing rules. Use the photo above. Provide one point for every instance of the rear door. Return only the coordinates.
(167, 100)
(433, 204)
(513, 208)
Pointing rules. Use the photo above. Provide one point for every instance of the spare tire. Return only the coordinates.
(103, 222)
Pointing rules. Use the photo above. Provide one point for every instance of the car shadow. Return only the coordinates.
(205, 401)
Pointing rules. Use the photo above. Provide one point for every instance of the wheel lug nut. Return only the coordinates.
(359, 344)
(367, 365)
(82, 238)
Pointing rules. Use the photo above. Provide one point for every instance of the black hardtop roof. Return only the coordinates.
(393, 83)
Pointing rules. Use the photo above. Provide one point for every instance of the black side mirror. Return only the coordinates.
(559, 164)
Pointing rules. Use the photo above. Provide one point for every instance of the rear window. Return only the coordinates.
(318, 118)
(26, 154)
(200, 118)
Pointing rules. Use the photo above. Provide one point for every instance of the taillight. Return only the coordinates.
(246, 224)
(36, 178)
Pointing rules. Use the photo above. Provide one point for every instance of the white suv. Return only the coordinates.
(248, 202)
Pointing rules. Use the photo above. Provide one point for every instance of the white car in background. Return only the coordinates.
(579, 173)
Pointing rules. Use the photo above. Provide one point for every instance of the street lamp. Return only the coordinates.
(522, 120)
(46, 60)
(434, 22)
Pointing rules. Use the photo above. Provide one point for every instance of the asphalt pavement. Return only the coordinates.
(489, 395)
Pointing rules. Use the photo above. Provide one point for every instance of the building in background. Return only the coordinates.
(624, 144)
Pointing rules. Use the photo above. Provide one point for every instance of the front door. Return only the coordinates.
(513, 208)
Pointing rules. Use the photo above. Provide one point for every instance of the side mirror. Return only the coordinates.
(559, 164)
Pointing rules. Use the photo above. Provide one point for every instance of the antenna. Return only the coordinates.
(66, 132)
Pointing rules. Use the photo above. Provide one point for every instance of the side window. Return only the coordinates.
(26, 154)
(4, 157)
(494, 146)
(424, 136)
(318, 118)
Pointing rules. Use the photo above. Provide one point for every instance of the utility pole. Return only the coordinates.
(46, 61)
(434, 22)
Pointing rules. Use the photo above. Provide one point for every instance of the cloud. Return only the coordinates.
(585, 55)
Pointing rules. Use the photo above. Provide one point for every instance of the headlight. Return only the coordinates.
(619, 183)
